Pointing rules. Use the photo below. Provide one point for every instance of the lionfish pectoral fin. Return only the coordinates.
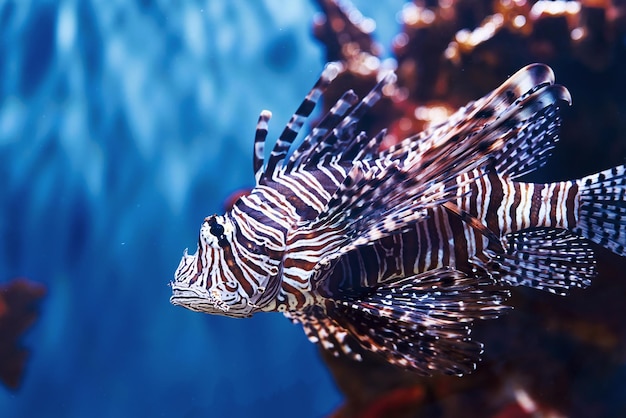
(548, 259)
(531, 143)
(484, 110)
(327, 333)
(602, 214)
(422, 322)
(505, 125)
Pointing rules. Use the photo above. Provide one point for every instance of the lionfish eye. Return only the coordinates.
(217, 230)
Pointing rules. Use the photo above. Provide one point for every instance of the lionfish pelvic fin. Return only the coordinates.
(327, 333)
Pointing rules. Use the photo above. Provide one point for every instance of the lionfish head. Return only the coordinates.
(207, 281)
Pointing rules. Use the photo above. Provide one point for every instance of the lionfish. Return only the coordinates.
(400, 251)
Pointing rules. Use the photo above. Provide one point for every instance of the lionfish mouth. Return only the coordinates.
(196, 298)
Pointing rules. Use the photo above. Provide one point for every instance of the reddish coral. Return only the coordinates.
(396, 403)
(19, 301)
(234, 197)
(450, 52)
(565, 355)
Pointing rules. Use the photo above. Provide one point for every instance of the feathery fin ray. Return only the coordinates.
(548, 259)
(422, 322)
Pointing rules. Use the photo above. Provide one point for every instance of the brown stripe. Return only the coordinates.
(460, 243)
(295, 292)
(516, 201)
(570, 205)
(410, 249)
(431, 222)
(370, 263)
(445, 239)
(495, 200)
(535, 204)
(236, 270)
(422, 233)
(290, 262)
(473, 198)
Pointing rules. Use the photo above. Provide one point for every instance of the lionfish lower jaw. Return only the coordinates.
(196, 298)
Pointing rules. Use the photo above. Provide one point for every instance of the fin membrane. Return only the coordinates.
(382, 197)
(322, 330)
(531, 144)
(548, 259)
(336, 137)
(422, 322)
(322, 130)
(508, 120)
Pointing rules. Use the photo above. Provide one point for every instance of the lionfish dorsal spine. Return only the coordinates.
(343, 137)
(296, 122)
(328, 122)
(258, 156)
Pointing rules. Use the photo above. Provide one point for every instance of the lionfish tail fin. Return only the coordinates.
(548, 259)
(422, 322)
(602, 211)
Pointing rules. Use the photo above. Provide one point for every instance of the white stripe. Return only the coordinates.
(522, 212)
(504, 220)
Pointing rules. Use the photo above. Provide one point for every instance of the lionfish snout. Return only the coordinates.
(212, 302)
(203, 289)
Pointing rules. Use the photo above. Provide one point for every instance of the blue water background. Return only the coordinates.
(123, 124)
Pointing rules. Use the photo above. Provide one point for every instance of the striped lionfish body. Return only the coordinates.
(399, 251)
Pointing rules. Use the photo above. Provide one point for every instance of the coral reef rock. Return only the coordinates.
(19, 302)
